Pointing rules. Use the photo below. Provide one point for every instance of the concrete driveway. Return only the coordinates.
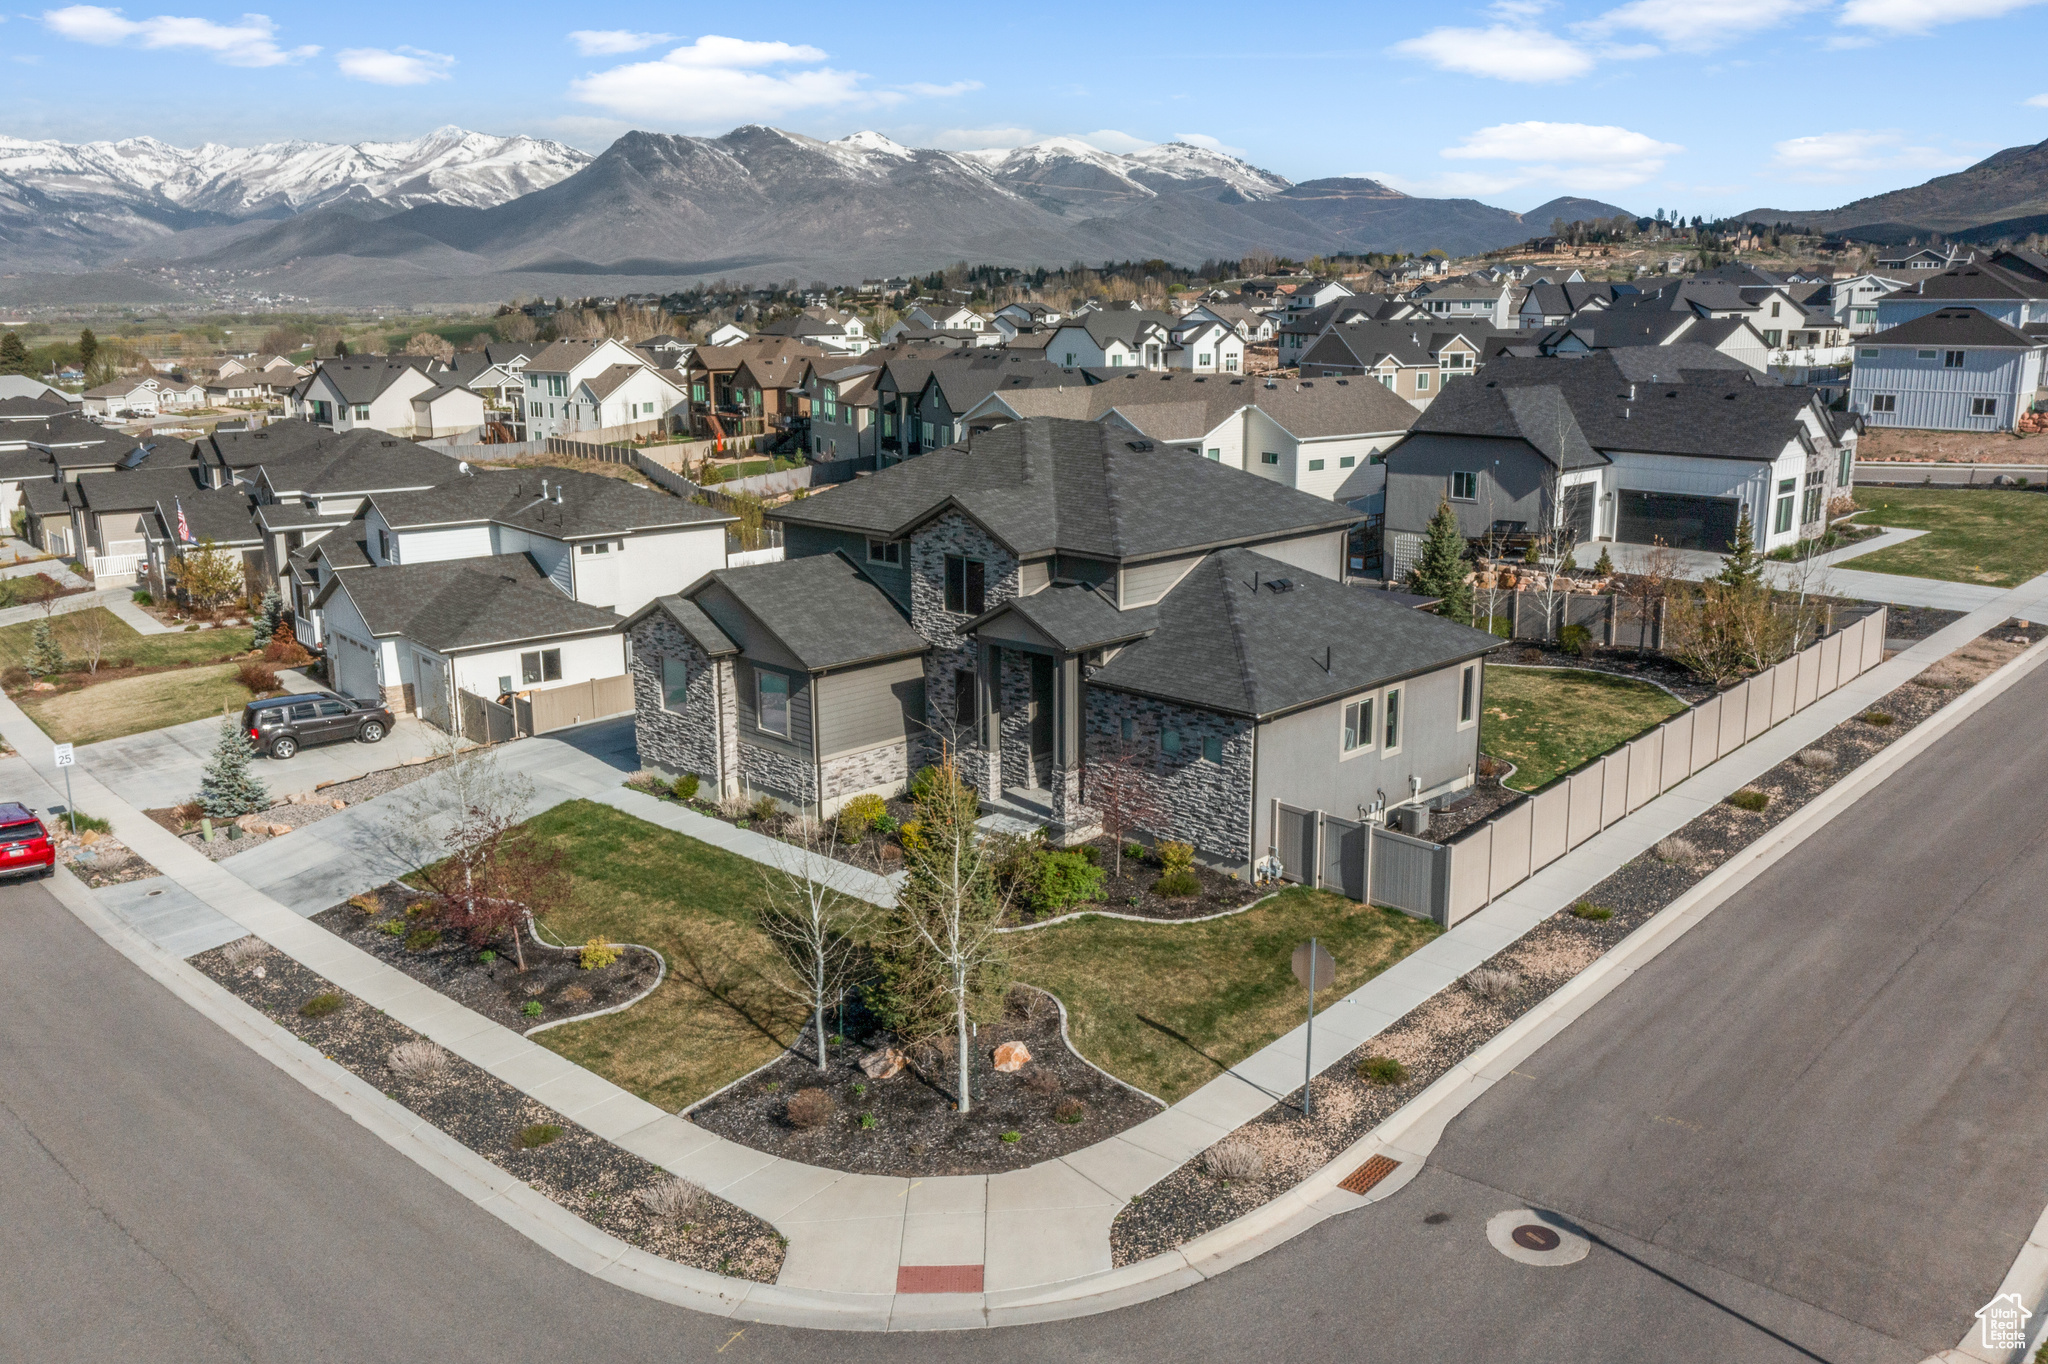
(162, 767)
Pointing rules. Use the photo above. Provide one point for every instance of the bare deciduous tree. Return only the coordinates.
(460, 823)
(209, 575)
(427, 343)
(815, 920)
(1120, 792)
(91, 632)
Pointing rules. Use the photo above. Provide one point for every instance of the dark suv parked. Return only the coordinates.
(282, 725)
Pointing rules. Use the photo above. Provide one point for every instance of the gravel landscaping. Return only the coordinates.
(95, 858)
(1279, 1148)
(253, 831)
(908, 1124)
(614, 1191)
(554, 987)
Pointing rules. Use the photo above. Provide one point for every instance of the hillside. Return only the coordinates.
(2012, 184)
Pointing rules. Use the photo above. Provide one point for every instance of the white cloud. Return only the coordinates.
(715, 82)
(399, 66)
(1208, 143)
(1918, 16)
(1694, 27)
(2039, 101)
(1110, 140)
(611, 42)
(942, 91)
(1839, 156)
(1505, 52)
(251, 42)
(1564, 143)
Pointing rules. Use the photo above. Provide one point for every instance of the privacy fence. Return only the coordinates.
(1451, 880)
(1609, 619)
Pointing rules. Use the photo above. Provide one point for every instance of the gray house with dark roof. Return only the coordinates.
(1051, 595)
(1956, 369)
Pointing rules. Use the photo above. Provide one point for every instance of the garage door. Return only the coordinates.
(1678, 520)
(355, 667)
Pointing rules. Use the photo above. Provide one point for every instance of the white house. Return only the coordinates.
(628, 393)
(730, 334)
(124, 397)
(1954, 370)
(370, 391)
(1854, 300)
(1206, 346)
(1112, 338)
(945, 317)
(559, 399)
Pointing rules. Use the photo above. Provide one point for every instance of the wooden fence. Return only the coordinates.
(575, 703)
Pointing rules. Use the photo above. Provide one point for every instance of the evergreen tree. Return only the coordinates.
(13, 355)
(1440, 569)
(226, 788)
(1604, 565)
(1743, 566)
(45, 655)
(271, 612)
(88, 349)
(341, 350)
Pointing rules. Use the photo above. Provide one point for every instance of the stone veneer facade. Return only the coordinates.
(953, 533)
(689, 740)
(1207, 804)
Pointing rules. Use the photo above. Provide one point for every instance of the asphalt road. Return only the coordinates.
(1811, 1129)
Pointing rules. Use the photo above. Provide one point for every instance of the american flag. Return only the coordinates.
(184, 530)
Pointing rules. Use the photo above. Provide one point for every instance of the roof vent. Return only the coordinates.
(1143, 447)
(1282, 584)
(462, 466)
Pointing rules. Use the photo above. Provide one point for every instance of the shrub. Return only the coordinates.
(1491, 984)
(1586, 909)
(1059, 879)
(860, 814)
(321, 1005)
(911, 835)
(1877, 718)
(89, 824)
(575, 994)
(1012, 1138)
(1178, 885)
(243, 949)
(1092, 853)
(733, 806)
(142, 598)
(1750, 799)
(1574, 639)
(531, 1008)
(1069, 1110)
(1040, 1080)
(867, 1122)
(1674, 849)
(1234, 1158)
(538, 1134)
(422, 938)
(257, 677)
(921, 783)
(1604, 565)
(419, 909)
(1134, 852)
(1176, 856)
(486, 957)
(596, 955)
(763, 809)
(416, 1060)
(808, 1108)
(685, 787)
(1819, 759)
(391, 928)
(671, 1200)
(1382, 1070)
(367, 902)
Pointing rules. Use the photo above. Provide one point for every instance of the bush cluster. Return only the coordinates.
(596, 955)
(859, 815)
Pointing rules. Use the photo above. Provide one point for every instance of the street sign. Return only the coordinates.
(62, 753)
(64, 758)
(1325, 965)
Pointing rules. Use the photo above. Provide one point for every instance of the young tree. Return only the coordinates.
(503, 882)
(1440, 568)
(226, 787)
(815, 921)
(463, 825)
(1120, 792)
(88, 350)
(209, 575)
(45, 655)
(267, 619)
(428, 343)
(942, 931)
(93, 630)
(1742, 566)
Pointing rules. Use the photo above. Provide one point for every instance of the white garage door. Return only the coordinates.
(355, 668)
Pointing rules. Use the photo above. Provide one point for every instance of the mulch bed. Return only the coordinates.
(497, 989)
(575, 1168)
(1131, 893)
(1484, 799)
(312, 807)
(916, 1129)
(1915, 623)
(1454, 1023)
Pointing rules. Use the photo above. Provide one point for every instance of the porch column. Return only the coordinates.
(986, 774)
(1077, 824)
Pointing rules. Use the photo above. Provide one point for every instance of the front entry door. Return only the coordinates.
(1041, 721)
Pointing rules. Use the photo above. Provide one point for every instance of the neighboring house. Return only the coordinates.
(22, 386)
(1538, 444)
(185, 520)
(1205, 346)
(1471, 299)
(721, 401)
(843, 408)
(1853, 301)
(1013, 318)
(1553, 305)
(370, 392)
(923, 396)
(1113, 338)
(2012, 287)
(1316, 294)
(1926, 258)
(1202, 633)
(1957, 369)
(944, 317)
(829, 329)
(559, 397)
(1631, 323)
(1413, 358)
(124, 398)
(1254, 328)
(906, 333)
(729, 334)
(665, 351)
(621, 395)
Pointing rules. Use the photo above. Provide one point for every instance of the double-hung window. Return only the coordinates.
(1358, 735)
(1783, 521)
(966, 586)
(771, 702)
(1464, 485)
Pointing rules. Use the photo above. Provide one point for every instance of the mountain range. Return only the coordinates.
(2004, 195)
(464, 216)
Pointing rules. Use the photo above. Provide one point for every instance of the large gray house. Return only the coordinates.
(1533, 445)
(1956, 369)
(1056, 594)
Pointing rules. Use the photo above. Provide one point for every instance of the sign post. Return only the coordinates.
(65, 759)
(1313, 966)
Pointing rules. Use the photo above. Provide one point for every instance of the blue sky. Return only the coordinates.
(1699, 106)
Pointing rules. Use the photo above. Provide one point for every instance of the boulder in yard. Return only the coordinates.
(882, 1063)
(1012, 1056)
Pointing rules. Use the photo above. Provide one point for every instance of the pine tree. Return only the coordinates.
(13, 355)
(226, 788)
(45, 656)
(271, 612)
(341, 350)
(88, 349)
(1604, 565)
(1743, 566)
(1440, 568)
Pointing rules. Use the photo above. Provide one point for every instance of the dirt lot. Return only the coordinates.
(1953, 447)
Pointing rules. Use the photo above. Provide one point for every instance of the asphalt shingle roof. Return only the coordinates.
(1952, 327)
(591, 504)
(823, 609)
(456, 604)
(1077, 616)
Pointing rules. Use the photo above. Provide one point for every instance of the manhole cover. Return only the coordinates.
(1531, 1237)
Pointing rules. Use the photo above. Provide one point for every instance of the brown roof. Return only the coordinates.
(1176, 405)
(726, 359)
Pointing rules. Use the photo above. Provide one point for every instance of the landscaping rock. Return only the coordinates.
(883, 1063)
(1012, 1056)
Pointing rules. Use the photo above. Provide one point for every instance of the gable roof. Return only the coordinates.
(1953, 327)
(590, 504)
(362, 380)
(821, 608)
(456, 604)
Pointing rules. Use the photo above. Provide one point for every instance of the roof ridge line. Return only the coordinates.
(1247, 675)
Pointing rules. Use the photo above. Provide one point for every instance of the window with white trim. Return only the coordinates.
(1358, 735)
(1464, 485)
(1884, 402)
(1983, 407)
(885, 551)
(1390, 724)
(1468, 696)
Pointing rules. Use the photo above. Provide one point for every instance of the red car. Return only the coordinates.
(24, 843)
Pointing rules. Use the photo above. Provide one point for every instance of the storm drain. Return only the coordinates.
(1361, 1180)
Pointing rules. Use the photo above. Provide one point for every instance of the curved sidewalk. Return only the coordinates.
(1040, 1235)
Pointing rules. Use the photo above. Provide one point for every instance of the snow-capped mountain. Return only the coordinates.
(448, 166)
(1077, 179)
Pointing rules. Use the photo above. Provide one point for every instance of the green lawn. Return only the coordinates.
(124, 642)
(1547, 721)
(1997, 537)
(131, 705)
(1165, 1006)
